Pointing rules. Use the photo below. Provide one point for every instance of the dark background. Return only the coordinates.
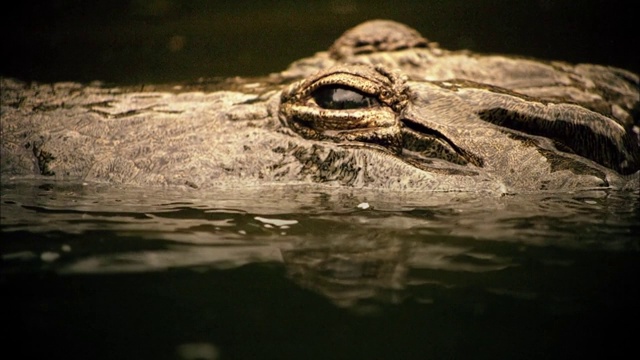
(131, 41)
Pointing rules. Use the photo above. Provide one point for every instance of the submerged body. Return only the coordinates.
(384, 108)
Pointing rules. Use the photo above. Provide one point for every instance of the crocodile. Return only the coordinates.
(382, 108)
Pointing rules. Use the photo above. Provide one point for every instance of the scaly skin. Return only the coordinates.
(418, 118)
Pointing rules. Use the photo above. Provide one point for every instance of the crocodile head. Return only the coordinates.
(384, 108)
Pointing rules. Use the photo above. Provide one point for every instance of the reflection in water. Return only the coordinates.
(400, 247)
(303, 272)
(348, 270)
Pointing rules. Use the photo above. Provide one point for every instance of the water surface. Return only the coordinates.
(103, 272)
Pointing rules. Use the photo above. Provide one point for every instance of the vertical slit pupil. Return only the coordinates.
(336, 97)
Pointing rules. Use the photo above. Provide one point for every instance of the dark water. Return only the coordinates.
(142, 41)
(99, 272)
(289, 273)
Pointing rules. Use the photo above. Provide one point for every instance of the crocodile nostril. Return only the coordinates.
(377, 36)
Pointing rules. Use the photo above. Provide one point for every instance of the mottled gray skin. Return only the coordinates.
(463, 122)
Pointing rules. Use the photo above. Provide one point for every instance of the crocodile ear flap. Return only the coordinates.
(574, 129)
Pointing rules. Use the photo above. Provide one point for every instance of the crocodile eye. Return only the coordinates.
(337, 97)
(355, 103)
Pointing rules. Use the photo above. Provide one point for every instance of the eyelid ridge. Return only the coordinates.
(387, 87)
(361, 85)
